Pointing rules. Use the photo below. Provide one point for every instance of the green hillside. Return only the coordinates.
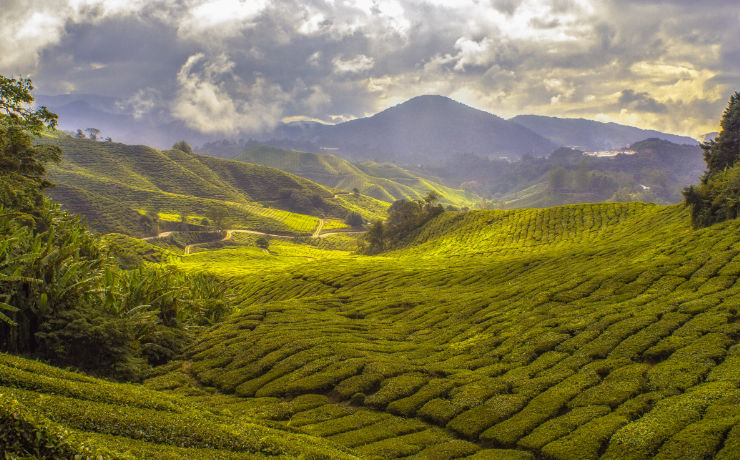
(582, 331)
(113, 184)
(53, 413)
(384, 181)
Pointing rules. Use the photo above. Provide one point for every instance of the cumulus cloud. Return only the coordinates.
(355, 65)
(232, 66)
(204, 102)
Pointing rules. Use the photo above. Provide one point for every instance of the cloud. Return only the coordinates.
(143, 102)
(357, 64)
(218, 19)
(641, 102)
(203, 99)
(229, 66)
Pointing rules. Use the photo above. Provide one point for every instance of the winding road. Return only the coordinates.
(230, 233)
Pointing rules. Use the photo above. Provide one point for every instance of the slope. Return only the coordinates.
(111, 183)
(386, 181)
(51, 413)
(583, 331)
(592, 135)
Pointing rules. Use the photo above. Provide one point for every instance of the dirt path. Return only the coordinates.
(160, 235)
(230, 233)
(318, 229)
(324, 235)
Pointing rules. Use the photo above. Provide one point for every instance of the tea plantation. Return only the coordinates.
(578, 332)
(584, 331)
(111, 184)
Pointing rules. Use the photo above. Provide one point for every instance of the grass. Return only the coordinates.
(570, 332)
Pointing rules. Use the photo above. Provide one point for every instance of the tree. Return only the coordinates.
(262, 243)
(183, 147)
(557, 178)
(218, 215)
(375, 237)
(22, 164)
(354, 219)
(15, 99)
(92, 133)
(723, 151)
(80, 135)
(717, 197)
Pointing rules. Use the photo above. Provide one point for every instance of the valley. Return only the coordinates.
(604, 330)
(164, 304)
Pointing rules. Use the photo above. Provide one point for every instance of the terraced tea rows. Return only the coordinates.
(581, 331)
(109, 182)
(66, 414)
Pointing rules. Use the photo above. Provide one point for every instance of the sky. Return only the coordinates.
(242, 66)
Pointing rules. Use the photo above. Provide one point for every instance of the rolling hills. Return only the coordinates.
(383, 181)
(582, 331)
(113, 184)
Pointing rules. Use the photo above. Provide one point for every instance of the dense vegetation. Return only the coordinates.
(62, 295)
(717, 197)
(572, 332)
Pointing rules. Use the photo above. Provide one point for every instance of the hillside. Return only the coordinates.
(112, 184)
(583, 331)
(385, 181)
(590, 135)
(65, 414)
(655, 171)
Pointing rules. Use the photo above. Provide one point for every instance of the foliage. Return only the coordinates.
(49, 413)
(564, 332)
(15, 99)
(403, 218)
(716, 198)
(354, 219)
(22, 165)
(183, 146)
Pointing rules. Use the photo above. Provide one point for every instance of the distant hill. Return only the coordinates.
(385, 181)
(656, 172)
(592, 135)
(424, 129)
(113, 184)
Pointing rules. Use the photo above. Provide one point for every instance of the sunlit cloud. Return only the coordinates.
(666, 65)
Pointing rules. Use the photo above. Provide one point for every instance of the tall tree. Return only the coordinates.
(724, 151)
(717, 198)
(22, 164)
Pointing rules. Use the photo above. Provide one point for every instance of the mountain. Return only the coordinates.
(425, 129)
(592, 135)
(113, 184)
(385, 181)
